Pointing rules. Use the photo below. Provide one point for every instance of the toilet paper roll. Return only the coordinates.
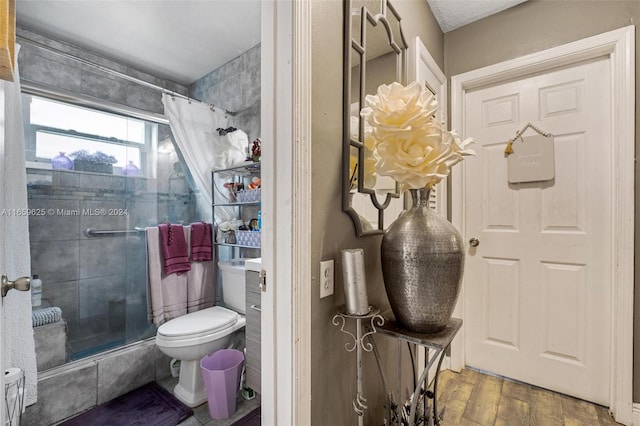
(12, 374)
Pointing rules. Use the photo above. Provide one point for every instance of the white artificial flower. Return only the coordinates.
(410, 145)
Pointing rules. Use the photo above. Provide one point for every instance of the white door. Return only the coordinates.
(538, 288)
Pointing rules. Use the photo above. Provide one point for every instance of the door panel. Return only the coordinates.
(538, 307)
(501, 303)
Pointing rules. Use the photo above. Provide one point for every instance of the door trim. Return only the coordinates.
(286, 205)
(427, 70)
(619, 47)
(302, 200)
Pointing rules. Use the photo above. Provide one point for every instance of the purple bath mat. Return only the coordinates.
(149, 405)
(251, 419)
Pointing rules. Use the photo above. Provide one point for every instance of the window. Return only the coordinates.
(53, 127)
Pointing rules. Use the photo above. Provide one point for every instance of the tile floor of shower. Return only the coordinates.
(201, 416)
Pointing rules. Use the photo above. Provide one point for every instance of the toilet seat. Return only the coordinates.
(198, 324)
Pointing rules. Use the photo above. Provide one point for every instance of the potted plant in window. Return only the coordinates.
(97, 162)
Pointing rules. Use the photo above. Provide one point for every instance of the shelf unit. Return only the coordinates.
(242, 209)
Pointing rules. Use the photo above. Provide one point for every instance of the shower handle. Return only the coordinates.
(21, 284)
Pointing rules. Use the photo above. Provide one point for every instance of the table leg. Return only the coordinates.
(416, 395)
(436, 419)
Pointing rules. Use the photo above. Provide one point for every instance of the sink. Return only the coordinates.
(253, 264)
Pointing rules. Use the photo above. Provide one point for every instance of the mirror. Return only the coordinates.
(375, 53)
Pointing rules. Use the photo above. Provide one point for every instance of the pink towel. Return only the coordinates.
(172, 295)
(166, 293)
(201, 247)
(175, 251)
(200, 286)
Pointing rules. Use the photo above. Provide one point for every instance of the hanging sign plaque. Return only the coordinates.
(532, 159)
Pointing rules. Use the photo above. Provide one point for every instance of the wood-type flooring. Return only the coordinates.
(472, 398)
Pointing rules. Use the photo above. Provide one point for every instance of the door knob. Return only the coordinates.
(474, 242)
(21, 284)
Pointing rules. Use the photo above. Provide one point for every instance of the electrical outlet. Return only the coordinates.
(326, 278)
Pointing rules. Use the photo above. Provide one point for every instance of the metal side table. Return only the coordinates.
(435, 344)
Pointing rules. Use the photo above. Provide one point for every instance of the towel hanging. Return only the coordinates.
(509, 148)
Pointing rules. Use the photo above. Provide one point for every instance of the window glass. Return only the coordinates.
(49, 145)
(45, 112)
(54, 127)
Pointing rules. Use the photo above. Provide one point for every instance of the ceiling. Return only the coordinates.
(452, 14)
(183, 40)
(180, 40)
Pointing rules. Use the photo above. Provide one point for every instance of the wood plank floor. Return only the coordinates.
(472, 398)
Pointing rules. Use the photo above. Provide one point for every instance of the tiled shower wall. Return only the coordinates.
(235, 86)
(41, 66)
(95, 280)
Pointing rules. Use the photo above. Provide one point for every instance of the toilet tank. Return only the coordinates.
(233, 284)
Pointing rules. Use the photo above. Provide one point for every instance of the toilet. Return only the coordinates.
(192, 336)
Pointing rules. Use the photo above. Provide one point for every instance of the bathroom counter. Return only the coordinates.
(254, 265)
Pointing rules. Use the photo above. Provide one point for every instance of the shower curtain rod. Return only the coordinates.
(118, 74)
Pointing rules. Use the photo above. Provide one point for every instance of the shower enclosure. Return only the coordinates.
(87, 223)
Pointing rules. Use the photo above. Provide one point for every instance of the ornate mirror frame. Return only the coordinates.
(355, 52)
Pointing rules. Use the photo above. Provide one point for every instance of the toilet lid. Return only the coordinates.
(198, 323)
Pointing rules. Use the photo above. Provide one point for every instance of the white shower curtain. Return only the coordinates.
(194, 126)
(19, 350)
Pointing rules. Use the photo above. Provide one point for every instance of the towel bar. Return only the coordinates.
(92, 232)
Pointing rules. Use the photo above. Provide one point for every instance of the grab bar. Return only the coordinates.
(92, 232)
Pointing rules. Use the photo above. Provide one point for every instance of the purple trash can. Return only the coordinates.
(221, 372)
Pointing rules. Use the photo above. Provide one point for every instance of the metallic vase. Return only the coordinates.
(422, 265)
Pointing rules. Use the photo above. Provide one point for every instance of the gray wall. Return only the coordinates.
(333, 374)
(534, 26)
(51, 69)
(235, 86)
(380, 70)
(418, 21)
(530, 27)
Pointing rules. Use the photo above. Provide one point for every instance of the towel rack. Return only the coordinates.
(92, 232)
